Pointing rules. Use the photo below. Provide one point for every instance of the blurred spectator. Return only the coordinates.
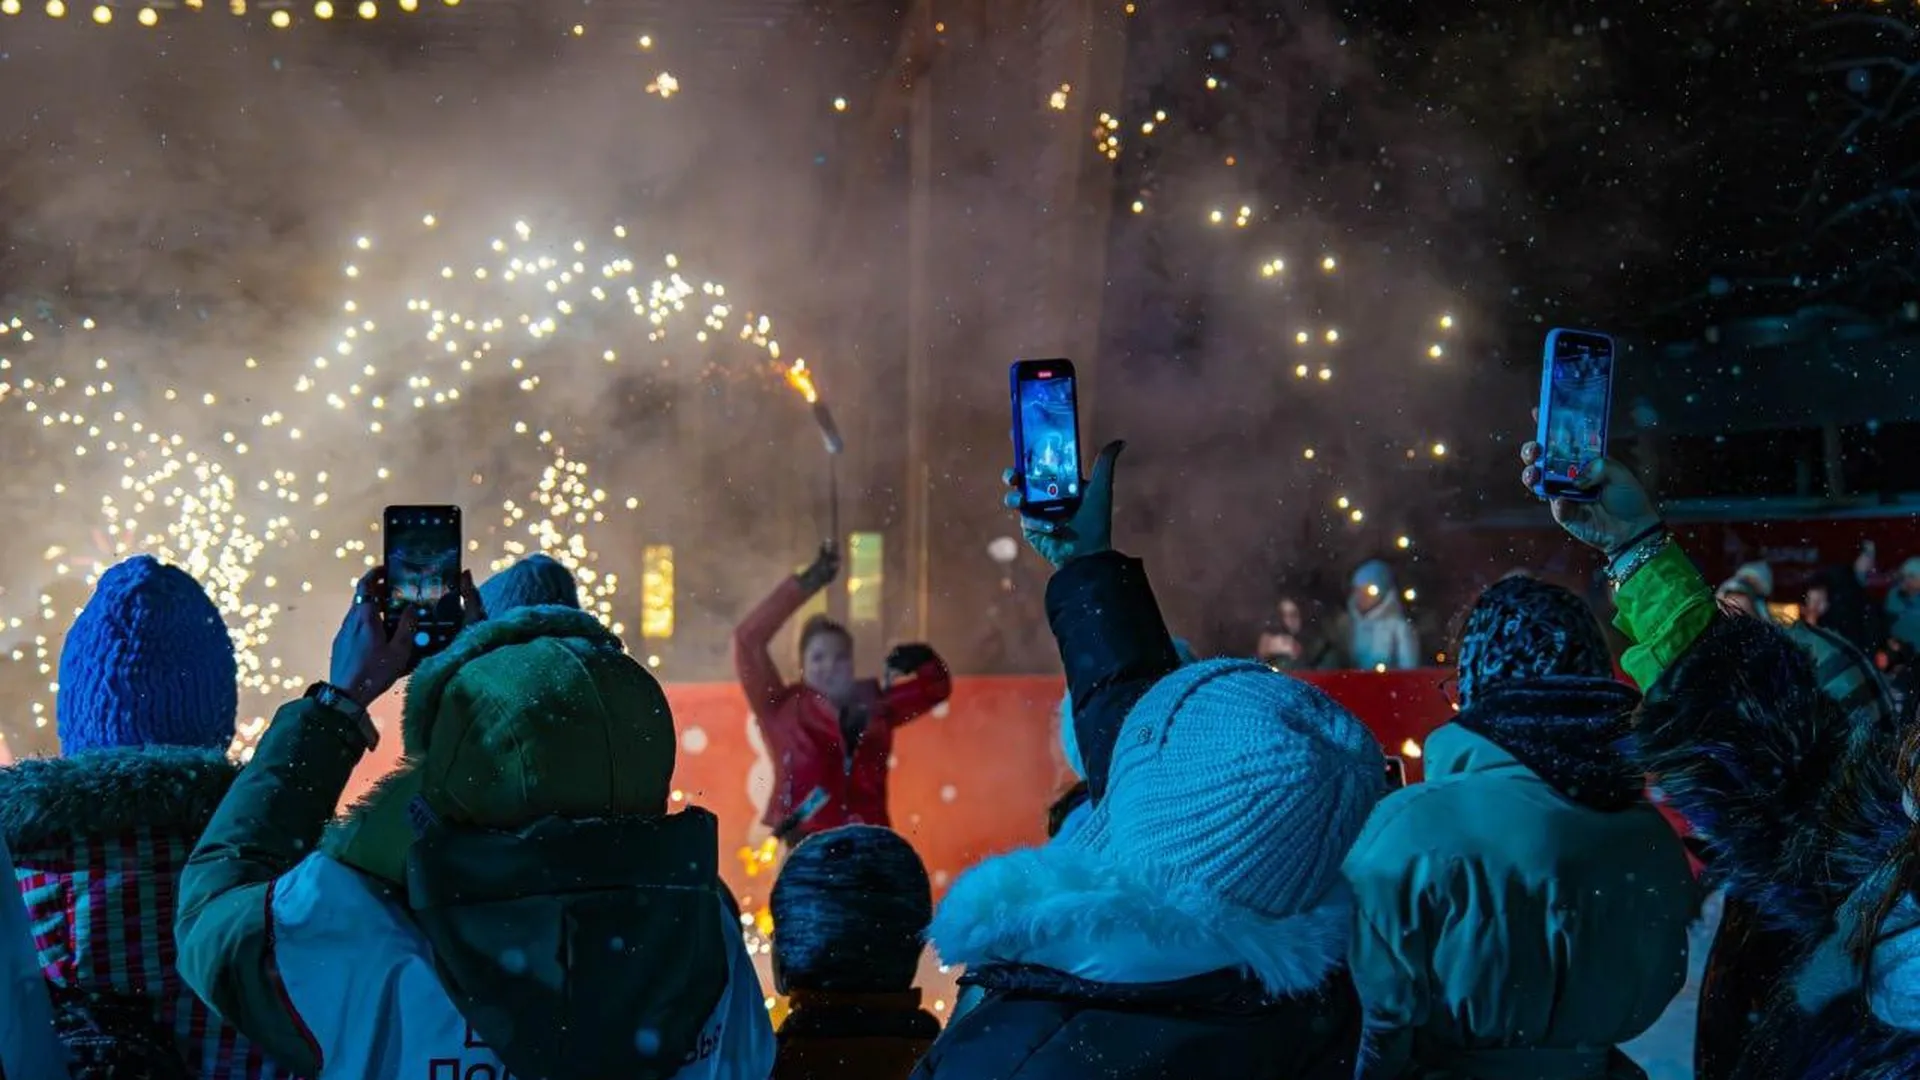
(1838, 603)
(1292, 641)
(534, 581)
(1536, 947)
(850, 911)
(516, 899)
(1379, 635)
(1748, 591)
(1903, 607)
(146, 711)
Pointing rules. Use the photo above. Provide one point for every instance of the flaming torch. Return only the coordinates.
(801, 380)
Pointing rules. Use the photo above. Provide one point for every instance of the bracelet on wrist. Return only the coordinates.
(329, 696)
(1613, 554)
(1635, 558)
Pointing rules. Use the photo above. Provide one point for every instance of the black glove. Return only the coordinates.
(909, 659)
(826, 567)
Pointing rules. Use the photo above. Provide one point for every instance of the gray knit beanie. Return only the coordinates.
(850, 911)
(535, 581)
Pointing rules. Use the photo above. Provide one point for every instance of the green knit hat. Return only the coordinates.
(539, 713)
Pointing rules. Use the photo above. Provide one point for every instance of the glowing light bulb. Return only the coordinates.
(839, 104)
(1446, 322)
(1411, 749)
(368, 9)
(409, 5)
(1307, 453)
(323, 9)
(1439, 449)
(56, 9)
(1328, 264)
(103, 14)
(9, 7)
(1139, 207)
(1435, 351)
(646, 41)
(280, 20)
(148, 17)
(1404, 542)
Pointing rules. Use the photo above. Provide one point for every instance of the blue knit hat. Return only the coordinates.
(850, 911)
(535, 581)
(1239, 789)
(1522, 628)
(1374, 574)
(148, 663)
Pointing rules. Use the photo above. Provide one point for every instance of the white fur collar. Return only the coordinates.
(1077, 911)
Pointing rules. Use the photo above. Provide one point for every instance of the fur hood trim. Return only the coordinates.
(1058, 901)
(49, 801)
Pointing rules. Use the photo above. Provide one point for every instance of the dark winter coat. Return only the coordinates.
(99, 840)
(803, 732)
(1798, 810)
(1051, 934)
(832, 1036)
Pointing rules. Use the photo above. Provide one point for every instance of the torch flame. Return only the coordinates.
(801, 379)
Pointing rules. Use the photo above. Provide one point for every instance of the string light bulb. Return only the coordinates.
(102, 14)
(56, 9)
(323, 9)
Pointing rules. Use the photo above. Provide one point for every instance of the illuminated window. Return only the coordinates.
(656, 591)
(867, 558)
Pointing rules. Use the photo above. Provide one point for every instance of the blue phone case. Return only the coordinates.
(1544, 489)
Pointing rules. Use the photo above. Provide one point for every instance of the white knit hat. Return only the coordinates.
(1238, 786)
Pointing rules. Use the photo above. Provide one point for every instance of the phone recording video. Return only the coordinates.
(1576, 396)
(423, 572)
(1396, 771)
(1046, 438)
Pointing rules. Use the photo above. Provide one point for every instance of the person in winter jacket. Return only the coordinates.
(1848, 611)
(145, 713)
(534, 581)
(1070, 811)
(1525, 910)
(516, 899)
(1196, 925)
(1293, 640)
(1802, 812)
(829, 733)
(850, 911)
(1380, 636)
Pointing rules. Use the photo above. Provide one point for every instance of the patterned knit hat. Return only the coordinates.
(534, 581)
(148, 663)
(1237, 790)
(850, 911)
(1523, 628)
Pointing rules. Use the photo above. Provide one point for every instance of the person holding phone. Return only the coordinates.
(830, 734)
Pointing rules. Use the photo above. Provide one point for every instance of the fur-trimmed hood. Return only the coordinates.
(111, 792)
(1101, 920)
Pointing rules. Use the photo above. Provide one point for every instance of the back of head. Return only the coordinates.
(535, 581)
(149, 662)
(850, 910)
(1522, 628)
(538, 713)
(1374, 574)
(1238, 788)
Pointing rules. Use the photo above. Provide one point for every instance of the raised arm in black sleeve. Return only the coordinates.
(1114, 645)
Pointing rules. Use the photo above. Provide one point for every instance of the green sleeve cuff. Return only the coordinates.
(1663, 609)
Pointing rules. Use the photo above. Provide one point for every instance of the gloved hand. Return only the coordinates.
(826, 567)
(909, 659)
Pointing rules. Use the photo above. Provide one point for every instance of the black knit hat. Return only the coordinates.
(1522, 628)
(850, 911)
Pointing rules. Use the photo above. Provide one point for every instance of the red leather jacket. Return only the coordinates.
(802, 728)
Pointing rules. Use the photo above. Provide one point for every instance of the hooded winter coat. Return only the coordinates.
(1513, 924)
(570, 948)
(1382, 636)
(803, 732)
(1800, 815)
(1084, 969)
(99, 840)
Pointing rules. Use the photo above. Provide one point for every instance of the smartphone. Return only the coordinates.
(1576, 403)
(1396, 772)
(423, 573)
(1046, 438)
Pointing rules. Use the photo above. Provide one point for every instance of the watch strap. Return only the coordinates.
(329, 696)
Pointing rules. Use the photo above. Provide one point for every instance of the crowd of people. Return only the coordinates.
(1231, 889)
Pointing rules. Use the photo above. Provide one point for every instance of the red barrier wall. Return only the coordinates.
(969, 781)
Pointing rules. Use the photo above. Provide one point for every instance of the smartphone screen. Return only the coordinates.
(1576, 395)
(423, 572)
(1396, 771)
(1046, 437)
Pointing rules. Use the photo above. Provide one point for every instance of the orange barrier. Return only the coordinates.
(972, 780)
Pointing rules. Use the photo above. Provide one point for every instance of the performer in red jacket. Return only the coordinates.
(829, 735)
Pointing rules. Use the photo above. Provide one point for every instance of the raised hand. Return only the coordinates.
(1090, 529)
(825, 567)
(366, 660)
(1620, 511)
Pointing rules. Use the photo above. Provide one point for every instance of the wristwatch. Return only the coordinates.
(329, 696)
